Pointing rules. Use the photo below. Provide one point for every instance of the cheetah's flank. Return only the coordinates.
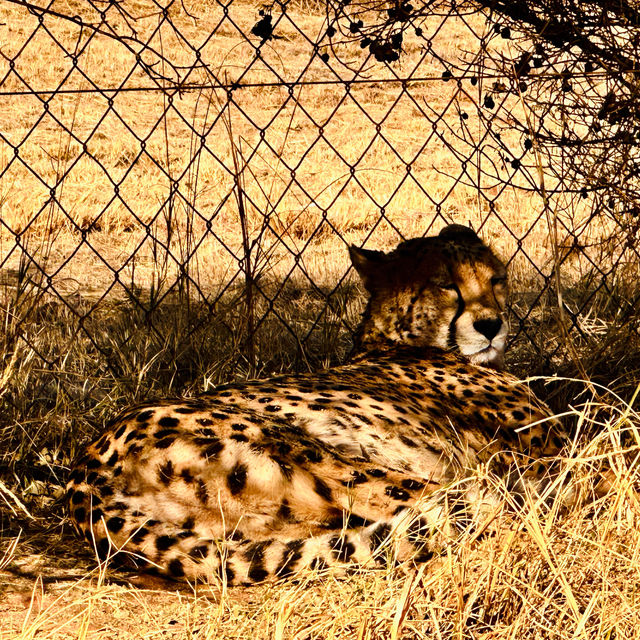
(258, 480)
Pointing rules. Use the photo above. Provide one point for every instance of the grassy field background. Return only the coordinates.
(131, 222)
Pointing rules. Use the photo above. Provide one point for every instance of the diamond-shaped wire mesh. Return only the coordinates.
(178, 192)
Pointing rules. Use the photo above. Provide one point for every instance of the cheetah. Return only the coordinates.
(261, 479)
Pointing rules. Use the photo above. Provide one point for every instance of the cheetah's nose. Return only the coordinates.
(488, 328)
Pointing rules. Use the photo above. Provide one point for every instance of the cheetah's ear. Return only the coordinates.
(367, 263)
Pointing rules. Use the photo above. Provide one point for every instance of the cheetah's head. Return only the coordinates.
(446, 291)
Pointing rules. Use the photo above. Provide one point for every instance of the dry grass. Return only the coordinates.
(85, 139)
(87, 328)
(545, 572)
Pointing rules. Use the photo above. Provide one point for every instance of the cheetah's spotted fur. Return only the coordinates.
(260, 479)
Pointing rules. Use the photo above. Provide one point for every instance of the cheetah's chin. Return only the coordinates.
(489, 357)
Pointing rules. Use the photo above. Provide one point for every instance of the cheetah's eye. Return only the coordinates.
(498, 281)
(449, 287)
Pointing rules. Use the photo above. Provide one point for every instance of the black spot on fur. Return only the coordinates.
(165, 472)
(80, 514)
(290, 557)
(76, 476)
(376, 473)
(322, 489)
(412, 485)
(102, 548)
(396, 493)
(163, 433)
(118, 434)
(115, 524)
(78, 497)
(380, 534)
(284, 511)
(237, 478)
(342, 548)
(408, 441)
(255, 555)
(165, 542)
(238, 426)
(143, 416)
(175, 568)
(285, 467)
(94, 463)
(312, 455)
(134, 450)
(239, 437)
(345, 520)
(199, 552)
(282, 448)
(355, 521)
(168, 421)
(357, 478)
(165, 443)
(201, 491)
(205, 422)
(139, 535)
(96, 515)
(212, 450)
(229, 574)
(273, 408)
(103, 446)
(424, 555)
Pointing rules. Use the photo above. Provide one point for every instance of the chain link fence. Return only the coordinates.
(179, 183)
